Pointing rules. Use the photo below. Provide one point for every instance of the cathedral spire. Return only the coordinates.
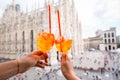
(13, 2)
(35, 7)
(53, 2)
(45, 3)
(73, 4)
(59, 2)
(26, 8)
(38, 5)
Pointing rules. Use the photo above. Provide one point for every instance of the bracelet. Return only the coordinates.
(17, 66)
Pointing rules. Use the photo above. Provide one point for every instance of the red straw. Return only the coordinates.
(58, 13)
(49, 11)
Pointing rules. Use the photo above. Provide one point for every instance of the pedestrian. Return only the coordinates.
(96, 77)
(116, 74)
(47, 76)
(40, 79)
(35, 59)
(119, 71)
(112, 69)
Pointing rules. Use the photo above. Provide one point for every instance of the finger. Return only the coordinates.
(38, 52)
(46, 64)
(40, 62)
(63, 57)
(41, 55)
(40, 65)
(46, 58)
(66, 57)
(45, 55)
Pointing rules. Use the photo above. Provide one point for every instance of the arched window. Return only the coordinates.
(113, 40)
(109, 41)
(31, 40)
(108, 34)
(106, 48)
(109, 47)
(105, 41)
(105, 35)
(112, 34)
(113, 48)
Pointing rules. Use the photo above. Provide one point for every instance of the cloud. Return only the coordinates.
(110, 8)
(98, 14)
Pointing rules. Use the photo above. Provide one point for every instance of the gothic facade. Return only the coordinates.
(18, 30)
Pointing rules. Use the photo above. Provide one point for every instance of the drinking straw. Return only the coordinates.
(49, 13)
(59, 26)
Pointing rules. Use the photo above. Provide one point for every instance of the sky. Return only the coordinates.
(93, 14)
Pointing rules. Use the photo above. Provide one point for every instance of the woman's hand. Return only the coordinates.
(67, 68)
(36, 58)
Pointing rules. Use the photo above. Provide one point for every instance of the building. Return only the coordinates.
(92, 42)
(118, 41)
(109, 40)
(104, 40)
(18, 30)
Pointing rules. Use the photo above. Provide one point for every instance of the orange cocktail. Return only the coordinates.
(45, 41)
(63, 45)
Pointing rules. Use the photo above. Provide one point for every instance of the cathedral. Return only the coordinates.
(18, 29)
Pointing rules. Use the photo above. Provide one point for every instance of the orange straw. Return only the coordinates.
(49, 11)
(59, 26)
(58, 13)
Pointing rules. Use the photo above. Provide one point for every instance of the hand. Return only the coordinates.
(36, 58)
(67, 68)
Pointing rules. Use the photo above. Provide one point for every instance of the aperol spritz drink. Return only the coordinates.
(45, 41)
(63, 45)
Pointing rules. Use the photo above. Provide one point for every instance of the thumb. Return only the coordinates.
(38, 52)
(41, 55)
(63, 57)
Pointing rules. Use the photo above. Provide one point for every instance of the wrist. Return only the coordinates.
(22, 65)
(27, 62)
(71, 76)
(17, 66)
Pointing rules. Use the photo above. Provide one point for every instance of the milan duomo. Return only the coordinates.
(18, 29)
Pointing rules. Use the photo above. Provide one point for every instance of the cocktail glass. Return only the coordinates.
(63, 45)
(45, 41)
